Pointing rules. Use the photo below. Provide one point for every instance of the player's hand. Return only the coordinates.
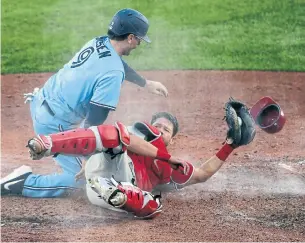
(156, 87)
(179, 164)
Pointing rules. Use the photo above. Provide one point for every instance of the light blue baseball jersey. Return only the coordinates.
(94, 75)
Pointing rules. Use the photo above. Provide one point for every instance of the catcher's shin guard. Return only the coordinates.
(128, 197)
(81, 141)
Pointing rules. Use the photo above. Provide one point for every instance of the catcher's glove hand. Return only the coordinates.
(239, 134)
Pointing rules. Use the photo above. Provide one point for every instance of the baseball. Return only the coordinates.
(240, 122)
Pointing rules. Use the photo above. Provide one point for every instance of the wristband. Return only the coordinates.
(161, 155)
(224, 152)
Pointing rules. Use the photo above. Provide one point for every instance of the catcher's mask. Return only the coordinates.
(268, 115)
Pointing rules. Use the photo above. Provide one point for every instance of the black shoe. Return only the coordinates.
(14, 182)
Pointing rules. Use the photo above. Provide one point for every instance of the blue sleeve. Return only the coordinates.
(132, 76)
(96, 115)
(108, 89)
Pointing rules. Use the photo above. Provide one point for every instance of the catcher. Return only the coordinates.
(127, 164)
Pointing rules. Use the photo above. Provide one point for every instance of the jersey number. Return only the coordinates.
(101, 49)
(83, 57)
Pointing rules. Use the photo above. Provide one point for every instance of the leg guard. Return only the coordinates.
(127, 197)
(81, 141)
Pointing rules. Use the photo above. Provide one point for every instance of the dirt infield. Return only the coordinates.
(258, 195)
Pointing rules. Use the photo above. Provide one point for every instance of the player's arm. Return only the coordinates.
(96, 115)
(152, 86)
(132, 76)
(103, 138)
(241, 132)
(207, 169)
(141, 147)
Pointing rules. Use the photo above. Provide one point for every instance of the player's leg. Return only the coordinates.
(81, 141)
(127, 197)
(101, 165)
(23, 182)
(56, 184)
(53, 185)
(14, 182)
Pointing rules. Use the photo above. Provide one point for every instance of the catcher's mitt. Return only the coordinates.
(239, 134)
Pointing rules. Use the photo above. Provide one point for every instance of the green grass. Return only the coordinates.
(187, 34)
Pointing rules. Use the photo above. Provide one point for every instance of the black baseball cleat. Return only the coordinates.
(14, 182)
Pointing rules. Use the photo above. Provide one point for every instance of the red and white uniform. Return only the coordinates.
(144, 172)
(151, 172)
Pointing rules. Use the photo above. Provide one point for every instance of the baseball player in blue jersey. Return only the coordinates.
(81, 94)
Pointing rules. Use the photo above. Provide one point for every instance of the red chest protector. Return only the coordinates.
(150, 172)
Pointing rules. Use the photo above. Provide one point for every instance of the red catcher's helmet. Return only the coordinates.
(268, 115)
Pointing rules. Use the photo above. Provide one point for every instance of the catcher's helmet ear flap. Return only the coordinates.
(130, 21)
(268, 115)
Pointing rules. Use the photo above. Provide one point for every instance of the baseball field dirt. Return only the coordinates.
(258, 195)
